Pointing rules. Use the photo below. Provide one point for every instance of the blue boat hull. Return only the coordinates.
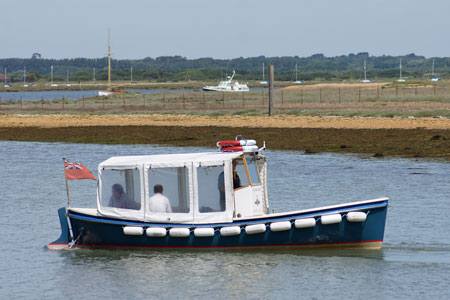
(94, 231)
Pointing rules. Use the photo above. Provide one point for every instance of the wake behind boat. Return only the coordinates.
(228, 86)
(213, 200)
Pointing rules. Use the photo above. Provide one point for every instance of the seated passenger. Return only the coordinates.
(120, 200)
(158, 202)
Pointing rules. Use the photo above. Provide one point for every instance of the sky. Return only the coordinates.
(223, 29)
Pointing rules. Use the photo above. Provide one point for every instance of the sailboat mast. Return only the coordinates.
(51, 75)
(432, 69)
(296, 73)
(24, 74)
(365, 70)
(109, 59)
(263, 71)
(400, 68)
(5, 75)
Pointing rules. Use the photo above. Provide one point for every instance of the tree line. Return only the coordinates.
(178, 68)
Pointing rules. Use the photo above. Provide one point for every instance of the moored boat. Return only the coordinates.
(228, 86)
(214, 200)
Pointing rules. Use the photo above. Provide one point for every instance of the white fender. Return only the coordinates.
(254, 229)
(356, 216)
(179, 232)
(331, 219)
(156, 232)
(133, 230)
(229, 231)
(280, 226)
(204, 232)
(305, 223)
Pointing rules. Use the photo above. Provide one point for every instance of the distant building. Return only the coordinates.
(2, 78)
(36, 56)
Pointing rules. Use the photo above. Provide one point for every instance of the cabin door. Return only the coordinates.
(249, 198)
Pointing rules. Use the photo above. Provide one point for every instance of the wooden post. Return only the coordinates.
(42, 103)
(359, 94)
(282, 97)
(396, 90)
(415, 90)
(434, 91)
(243, 99)
(320, 95)
(223, 98)
(271, 112)
(301, 96)
(21, 104)
(262, 97)
(203, 97)
(339, 95)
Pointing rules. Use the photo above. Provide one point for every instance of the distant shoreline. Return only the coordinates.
(424, 138)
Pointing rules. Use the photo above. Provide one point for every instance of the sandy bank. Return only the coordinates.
(279, 121)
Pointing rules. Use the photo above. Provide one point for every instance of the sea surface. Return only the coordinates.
(414, 262)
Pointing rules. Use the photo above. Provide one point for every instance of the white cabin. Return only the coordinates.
(192, 183)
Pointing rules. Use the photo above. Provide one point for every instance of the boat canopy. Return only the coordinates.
(196, 187)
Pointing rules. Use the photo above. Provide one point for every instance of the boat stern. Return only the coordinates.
(63, 241)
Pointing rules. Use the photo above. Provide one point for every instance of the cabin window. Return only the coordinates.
(242, 173)
(121, 189)
(175, 187)
(211, 189)
(253, 172)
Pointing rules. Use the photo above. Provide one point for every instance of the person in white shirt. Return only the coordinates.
(159, 202)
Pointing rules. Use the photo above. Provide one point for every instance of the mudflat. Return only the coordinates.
(404, 137)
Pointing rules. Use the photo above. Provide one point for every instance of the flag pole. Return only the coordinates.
(67, 184)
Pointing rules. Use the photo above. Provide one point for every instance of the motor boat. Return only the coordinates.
(228, 86)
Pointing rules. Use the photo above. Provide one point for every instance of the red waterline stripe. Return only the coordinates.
(244, 246)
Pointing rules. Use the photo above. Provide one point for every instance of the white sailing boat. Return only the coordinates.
(51, 77)
(263, 81)
(110, 90)
(7, 84)
(25, 77)
(365, 80)
(433, 77)
(296, 79)
(401, 79)
(67, 79)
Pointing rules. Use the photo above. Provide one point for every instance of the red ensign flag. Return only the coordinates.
(76, 171)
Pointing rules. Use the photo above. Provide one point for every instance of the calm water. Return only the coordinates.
(413, 264)
(74, 95)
